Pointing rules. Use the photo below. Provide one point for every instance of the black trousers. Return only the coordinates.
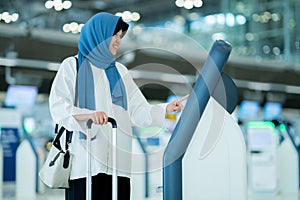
(101, 188)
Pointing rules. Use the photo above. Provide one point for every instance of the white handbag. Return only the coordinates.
(55, 172)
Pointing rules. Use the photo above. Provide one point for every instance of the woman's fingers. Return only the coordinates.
(105, 118)
(176, 105)
(183, 98)
(100, 118)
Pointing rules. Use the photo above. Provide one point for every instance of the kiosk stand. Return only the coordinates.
(10, 122)
(214, 166)
(289, 175)
(212, 83)
(262, 157)
(26, 171)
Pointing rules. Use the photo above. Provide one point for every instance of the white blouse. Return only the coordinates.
(139, 113)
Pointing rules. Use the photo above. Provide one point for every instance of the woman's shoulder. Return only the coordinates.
(69, 60)
(122, 68)
(69, 64)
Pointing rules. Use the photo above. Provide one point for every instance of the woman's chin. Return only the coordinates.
(113, 52)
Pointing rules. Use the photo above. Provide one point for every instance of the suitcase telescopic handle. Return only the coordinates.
(110, 120)
(113, 122)
(89, 174)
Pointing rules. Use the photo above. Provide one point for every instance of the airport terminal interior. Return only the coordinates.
(243, 143)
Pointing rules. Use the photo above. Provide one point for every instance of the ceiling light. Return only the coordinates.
(5, 15)
(128, 16)
(73, 27)
(58, 5)
(255, 17)
(275, 17)
(276, 51)
(14, 17)
(249, 36)
(135, 16)
(230, 19)
(8, 18)
(198, 3)
(240, 19)
(67, 4)
(189, 4)
(179, 3)
(66, 28)
(266, 49)
(210, 19)
(49, 4)
(220, 19)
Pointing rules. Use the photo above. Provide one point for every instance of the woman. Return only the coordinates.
(104, 88)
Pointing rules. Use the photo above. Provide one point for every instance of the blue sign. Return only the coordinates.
(10, 143)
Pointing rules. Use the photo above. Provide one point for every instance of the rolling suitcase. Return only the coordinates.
(114, 164)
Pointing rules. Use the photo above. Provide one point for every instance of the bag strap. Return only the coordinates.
(56, 142)
(69, 134)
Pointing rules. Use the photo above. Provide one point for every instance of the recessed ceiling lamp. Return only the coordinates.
(189, 4)
(58, 5)
(9, 18)
(128, 16)
(72, 27)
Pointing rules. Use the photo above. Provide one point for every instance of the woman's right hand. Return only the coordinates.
(99, 117)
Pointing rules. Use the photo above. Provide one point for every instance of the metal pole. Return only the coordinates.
(88, 166)
(114, 159)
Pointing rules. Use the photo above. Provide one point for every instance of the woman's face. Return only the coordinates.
(115, 42)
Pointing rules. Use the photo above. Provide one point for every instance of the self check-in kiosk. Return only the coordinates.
(178, 175)
(214, 165)
(10, 122)
(262, 143)
(288, 161)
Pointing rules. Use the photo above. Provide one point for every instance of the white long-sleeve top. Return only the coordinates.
(139, 113)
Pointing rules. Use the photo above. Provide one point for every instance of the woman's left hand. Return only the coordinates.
(176, 105)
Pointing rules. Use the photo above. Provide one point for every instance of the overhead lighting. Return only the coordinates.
(72, 27)
(9, 18)
(266, 17)
(225, 18)
(128, 16)
(179, 3)
(240, 19)
(189, 4)
(58, 5)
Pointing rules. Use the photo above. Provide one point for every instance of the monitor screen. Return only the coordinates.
(248, 109)
(261, 139)
(272, 110)
(20, 96)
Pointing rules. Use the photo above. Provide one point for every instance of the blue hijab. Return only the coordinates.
(93, 47)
